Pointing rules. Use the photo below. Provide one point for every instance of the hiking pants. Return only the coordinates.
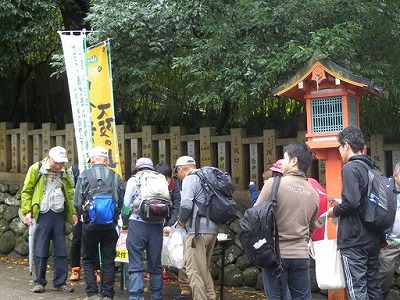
(145, 236)
(387, 265)
(50, 226)
(107, 237)
(198, 265)
(361, 270)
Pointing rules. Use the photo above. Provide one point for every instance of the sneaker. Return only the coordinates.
(164, 275)
(75, 274)
(63, 288)
(98, 275)
(107, 298)
(183, 297)
(38, 288)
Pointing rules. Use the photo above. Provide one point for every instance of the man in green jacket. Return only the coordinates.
(47, 200)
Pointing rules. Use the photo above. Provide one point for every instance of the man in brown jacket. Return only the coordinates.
(297, 207)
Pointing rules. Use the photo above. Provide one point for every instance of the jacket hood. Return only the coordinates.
(364, 158)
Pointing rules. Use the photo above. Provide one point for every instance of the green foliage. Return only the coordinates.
(28, 39)
(214, 62)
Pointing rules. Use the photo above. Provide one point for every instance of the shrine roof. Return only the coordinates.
(358, 84)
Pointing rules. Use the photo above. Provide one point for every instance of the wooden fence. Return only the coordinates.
(243, 157)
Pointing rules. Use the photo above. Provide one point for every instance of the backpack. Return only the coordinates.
(219, 206)
(257, 225)
(154, 203)
(380, 207)
(100, 207)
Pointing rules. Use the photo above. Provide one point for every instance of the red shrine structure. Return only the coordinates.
(332, 97)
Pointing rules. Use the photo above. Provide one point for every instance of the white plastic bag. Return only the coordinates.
(164, 252)
(176, 246)
(328, 265)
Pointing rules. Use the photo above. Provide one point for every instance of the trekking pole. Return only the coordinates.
(100, 265)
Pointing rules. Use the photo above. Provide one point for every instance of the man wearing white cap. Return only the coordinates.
(197, 255)
(46, 199)
(103, 234)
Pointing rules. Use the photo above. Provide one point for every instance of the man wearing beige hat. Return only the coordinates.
(46, 199)
(97, 228)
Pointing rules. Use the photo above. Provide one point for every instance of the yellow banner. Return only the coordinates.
(101, 104)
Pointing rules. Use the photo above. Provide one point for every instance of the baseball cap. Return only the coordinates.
(98, 151)
(277, 166)
(183, 161)
(58, 154)
(144, 163)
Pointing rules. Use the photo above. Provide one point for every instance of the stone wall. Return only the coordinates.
(13, 232)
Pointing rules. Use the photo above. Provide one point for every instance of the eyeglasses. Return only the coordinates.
(339, 146)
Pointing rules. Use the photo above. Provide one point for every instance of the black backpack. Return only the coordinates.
(259, 223)
(380, 207)
(219, 205)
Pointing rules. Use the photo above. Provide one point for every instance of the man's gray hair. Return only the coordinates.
(396, 170)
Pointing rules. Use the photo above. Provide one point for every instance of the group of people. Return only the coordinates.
(49, 199)
(368, 256)
(52, 196)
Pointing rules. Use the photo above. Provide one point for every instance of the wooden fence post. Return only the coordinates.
(47, 143)
(147, 141)
(5, 147)
(25, 147)
(206, 151)
(176, 133)
(70, 143)
(237, 154)
(270, 148)
(378, 152)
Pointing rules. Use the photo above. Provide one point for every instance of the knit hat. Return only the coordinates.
(144, 163)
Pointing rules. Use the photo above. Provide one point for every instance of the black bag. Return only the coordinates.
(219, 205)
(380, 207)
(259, 223)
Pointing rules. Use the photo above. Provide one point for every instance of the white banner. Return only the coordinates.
(75, 63)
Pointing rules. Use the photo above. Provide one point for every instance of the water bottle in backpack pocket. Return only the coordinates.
(373, 201)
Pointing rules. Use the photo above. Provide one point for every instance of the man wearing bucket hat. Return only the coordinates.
(46, 199)
(143, 234)
(95, 234)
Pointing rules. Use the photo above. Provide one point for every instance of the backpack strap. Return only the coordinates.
(368, 167)
(94, 182)
(274, 189)
(75, 172)
(39, 175)
(278, 271)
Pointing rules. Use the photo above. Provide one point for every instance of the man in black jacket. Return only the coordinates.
(358, 244)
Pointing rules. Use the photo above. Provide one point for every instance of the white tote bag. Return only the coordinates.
(328, 265)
